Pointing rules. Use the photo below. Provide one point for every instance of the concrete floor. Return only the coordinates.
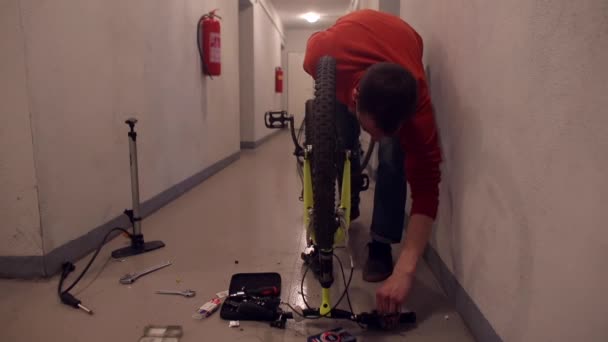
(248, 213)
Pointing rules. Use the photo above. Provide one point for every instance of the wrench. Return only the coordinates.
(186, 293)
(130, 278)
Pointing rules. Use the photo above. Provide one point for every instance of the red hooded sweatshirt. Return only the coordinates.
(361, 39)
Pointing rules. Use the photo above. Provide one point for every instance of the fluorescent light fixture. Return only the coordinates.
(311, 17)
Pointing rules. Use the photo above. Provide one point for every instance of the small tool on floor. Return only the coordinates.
(64, 295)
(68, 299)
(130, 278)
(186, 293)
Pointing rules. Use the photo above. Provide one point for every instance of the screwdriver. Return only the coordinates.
(260, 292)
(68, 299)
(263, 292)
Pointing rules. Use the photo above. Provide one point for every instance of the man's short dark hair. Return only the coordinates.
(388, 92)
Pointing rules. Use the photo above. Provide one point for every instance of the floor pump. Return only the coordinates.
(138, 246)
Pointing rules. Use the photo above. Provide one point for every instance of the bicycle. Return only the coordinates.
(325, 171)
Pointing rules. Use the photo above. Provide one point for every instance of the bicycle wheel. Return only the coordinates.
(321, 133)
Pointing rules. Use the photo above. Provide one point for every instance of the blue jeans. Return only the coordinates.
(388, 218)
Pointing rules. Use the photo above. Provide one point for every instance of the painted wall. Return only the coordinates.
(520, 95)
(20, 227)
(223, 108)
(284, 63)
(267, 56)
(372, 4)
(272, 15)
(246, 66)
(261, 38)
(296, 39)
(390, 6)
(89, 66)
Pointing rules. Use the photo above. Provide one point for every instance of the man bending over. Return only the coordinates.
(380, 82)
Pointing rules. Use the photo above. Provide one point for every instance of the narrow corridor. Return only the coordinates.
(246, 218)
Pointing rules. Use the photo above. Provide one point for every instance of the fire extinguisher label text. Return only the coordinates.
(214, 48)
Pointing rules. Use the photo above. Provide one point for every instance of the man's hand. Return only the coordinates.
(395, 290)
(392, 294)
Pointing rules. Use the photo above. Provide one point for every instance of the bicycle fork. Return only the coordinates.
(342, 220)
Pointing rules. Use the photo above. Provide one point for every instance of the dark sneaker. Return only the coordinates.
(379, 264)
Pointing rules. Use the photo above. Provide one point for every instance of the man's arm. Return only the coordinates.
(393, 293)
(421, 144)
(418, 233)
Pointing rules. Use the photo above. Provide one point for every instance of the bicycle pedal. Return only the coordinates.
(276, 119)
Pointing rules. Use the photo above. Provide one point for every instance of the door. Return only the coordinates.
(299, 86)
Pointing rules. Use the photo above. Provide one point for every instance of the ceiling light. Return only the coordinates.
(311, 17)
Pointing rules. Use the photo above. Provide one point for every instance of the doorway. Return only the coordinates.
(299, 87)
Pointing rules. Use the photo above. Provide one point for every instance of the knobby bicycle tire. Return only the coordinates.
(321, 132)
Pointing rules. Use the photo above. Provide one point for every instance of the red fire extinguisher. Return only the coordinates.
(278, 80)
(209, 45)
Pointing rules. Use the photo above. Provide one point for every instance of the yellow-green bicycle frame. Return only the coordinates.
(340, 235)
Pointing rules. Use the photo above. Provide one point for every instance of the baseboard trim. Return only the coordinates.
(480, 327)
(22, 267)
(250, 145)
(31, 267)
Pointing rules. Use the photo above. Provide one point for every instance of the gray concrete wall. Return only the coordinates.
(520, 95)
(78, 69)
(20, 226)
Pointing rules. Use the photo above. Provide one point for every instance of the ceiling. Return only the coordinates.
(290, 10)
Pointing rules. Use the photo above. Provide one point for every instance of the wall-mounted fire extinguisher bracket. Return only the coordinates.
(278, 79)
(209, 43)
